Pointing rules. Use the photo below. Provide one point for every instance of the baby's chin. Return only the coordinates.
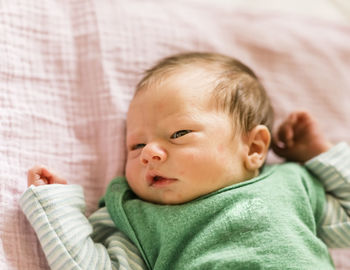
(164, 201)
(170, 200)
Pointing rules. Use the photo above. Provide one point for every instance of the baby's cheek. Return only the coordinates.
(131, 170)
(220, 153)
(221, 148)
(222, 158)
(189, 161)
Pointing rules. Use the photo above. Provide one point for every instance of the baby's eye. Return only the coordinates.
(137, 146)
(180, 133)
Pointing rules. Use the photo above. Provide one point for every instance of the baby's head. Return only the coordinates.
(197, 123)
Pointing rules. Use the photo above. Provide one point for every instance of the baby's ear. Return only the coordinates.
(258, 142)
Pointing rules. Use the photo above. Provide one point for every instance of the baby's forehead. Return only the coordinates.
(194, 71)
(189, 84)
(191, 72)
(187, 87)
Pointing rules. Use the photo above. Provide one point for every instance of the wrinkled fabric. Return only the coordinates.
(68, 71)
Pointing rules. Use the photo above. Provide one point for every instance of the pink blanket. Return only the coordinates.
(68, 71)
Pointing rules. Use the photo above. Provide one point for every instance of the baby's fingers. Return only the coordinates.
(284, 136)
(52, 177)
(281, 150)
(285, 133)
(34, 178)
(40, 175)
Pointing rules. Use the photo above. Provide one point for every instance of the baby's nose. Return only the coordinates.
(153, 153)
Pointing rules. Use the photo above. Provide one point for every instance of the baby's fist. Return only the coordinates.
(299, 138)
(40, 175)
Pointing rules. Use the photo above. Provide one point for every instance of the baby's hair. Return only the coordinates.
(236, 88)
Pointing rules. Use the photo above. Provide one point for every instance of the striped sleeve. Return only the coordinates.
(68, 239)
(333, 170)
(123, 253)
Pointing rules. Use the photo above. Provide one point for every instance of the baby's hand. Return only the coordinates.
(299, 138)
(39, 175)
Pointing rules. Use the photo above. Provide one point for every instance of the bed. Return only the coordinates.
(68, 71)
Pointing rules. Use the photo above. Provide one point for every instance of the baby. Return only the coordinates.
(197, 194)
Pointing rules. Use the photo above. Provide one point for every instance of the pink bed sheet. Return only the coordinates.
(68, 70)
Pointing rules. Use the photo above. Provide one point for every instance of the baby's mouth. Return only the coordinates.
(156, 180)
(159, 181)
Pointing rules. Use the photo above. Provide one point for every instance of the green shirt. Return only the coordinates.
(269, 222)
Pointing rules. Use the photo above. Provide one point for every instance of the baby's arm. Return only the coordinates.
(333, 171)
(70, 240)
(299, 138)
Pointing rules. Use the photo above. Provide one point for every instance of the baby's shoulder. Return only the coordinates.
(291, 171)
(289, 168)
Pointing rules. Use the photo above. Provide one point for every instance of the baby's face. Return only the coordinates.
(179, 146)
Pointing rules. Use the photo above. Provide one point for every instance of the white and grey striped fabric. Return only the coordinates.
(71, 241)
(333, 170)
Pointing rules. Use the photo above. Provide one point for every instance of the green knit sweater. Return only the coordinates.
(269, 222)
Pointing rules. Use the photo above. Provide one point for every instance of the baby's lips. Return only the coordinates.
(154, 176)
